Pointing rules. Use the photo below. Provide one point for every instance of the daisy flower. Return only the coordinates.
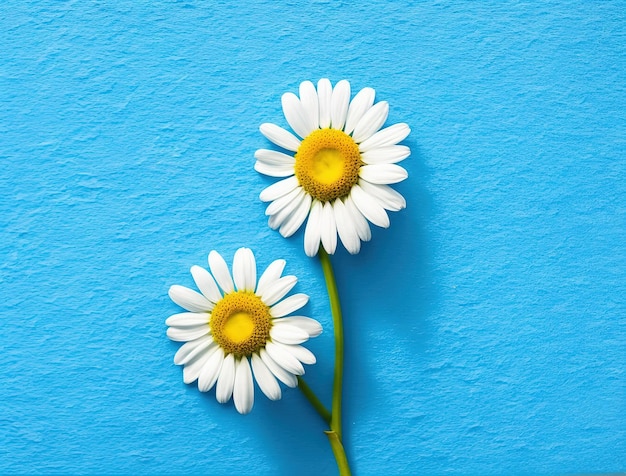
(338, 174)
(238, 324)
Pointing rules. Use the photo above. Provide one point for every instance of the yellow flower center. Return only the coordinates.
(327, 164)
(240, 323)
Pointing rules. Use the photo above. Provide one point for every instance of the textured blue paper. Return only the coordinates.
(486, 328)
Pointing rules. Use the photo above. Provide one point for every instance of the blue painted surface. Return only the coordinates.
(486, 328)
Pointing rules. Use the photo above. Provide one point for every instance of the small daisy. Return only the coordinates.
(340, 171)
(244, 323)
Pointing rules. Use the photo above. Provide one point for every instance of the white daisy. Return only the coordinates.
(338, 175)
(243, 323)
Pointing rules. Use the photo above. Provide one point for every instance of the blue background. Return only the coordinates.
(486, 328)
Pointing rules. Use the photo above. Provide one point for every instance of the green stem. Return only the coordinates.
(339, 452)
(313, 400)
(334, 435)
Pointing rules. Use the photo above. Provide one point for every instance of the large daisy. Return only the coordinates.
(339, 172)
(239, 323)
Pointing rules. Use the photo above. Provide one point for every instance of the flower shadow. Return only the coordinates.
(392, 277)
(388, 295)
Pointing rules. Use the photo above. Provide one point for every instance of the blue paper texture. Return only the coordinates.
(485, 329)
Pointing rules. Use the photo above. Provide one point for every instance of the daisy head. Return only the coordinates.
(337, 171)
(235, 322)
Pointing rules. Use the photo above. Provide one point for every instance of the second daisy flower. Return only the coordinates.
(243, 323)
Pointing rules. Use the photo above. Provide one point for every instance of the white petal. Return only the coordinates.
(278, 290)
(285, 201)
(191, 349)
(226, 380)
(206, 284)
(303, 354)
(340, 100)
(383, 173)
(308, 98)
(244, 270)
(346, 228)
(358, 220)
(361, 103)
(369, 207)
(189, 299)
(279, 189)
(282, 216)
(184, 334)
(271, 274)
(211, 370)
(324, 93)
(243, 391)
(275, 221)
(280, 373)
(386, 155)
(212, 348)
(188, 319)
(386, 196)
(219, 268)
(274, 170)
(371, 122)
(273, 157)
(311, 326)
(192, 369)
(288, 334)
(388, 136)
(296, 114)
(328, 229)
(312, 232)
(265, 378)
(280, 136)
(295, 219)
(289, 304)
(283, 358)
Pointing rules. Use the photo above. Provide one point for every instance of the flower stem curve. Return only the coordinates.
(313, 400)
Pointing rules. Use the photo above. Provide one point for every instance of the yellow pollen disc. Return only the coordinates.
(327, 164)
(238, 327)
(240, 323)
